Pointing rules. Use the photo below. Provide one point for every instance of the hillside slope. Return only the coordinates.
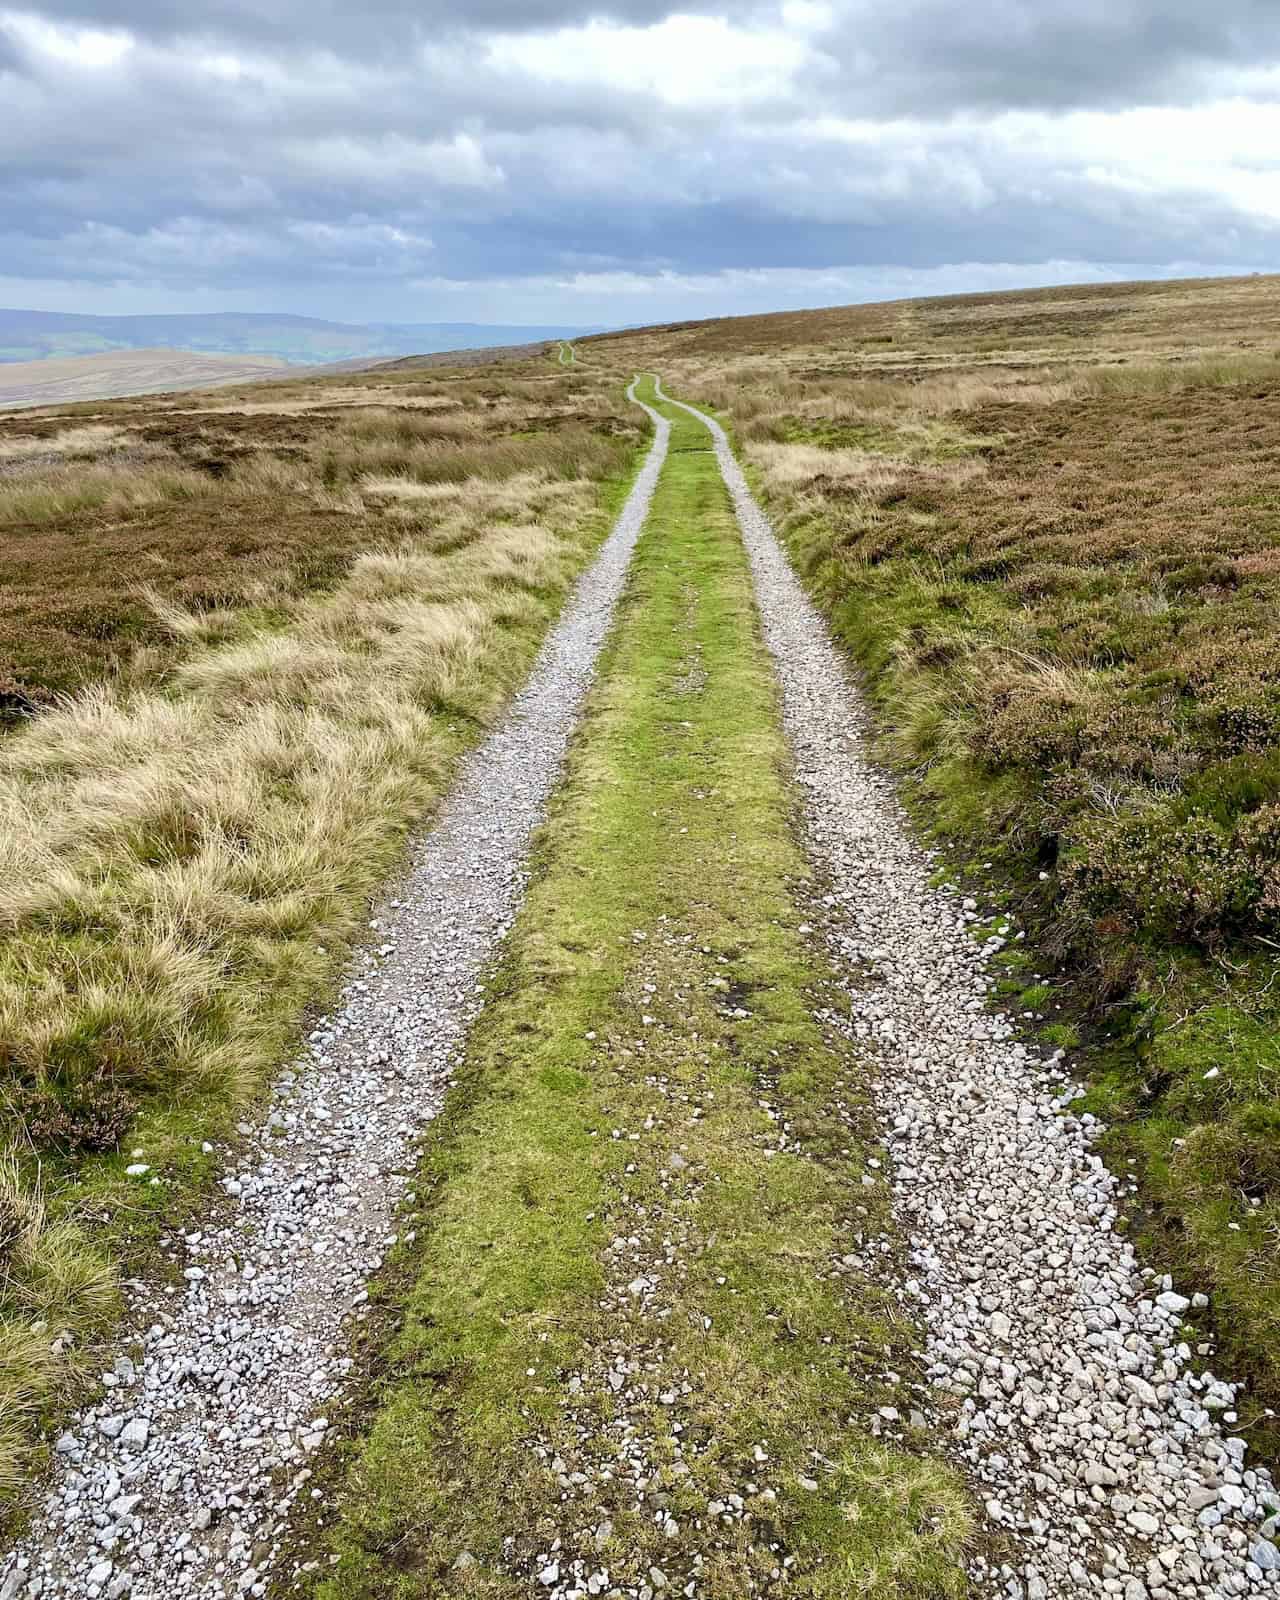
(61, 380)
(1046, 526)
(689, 1189)
(311, 341)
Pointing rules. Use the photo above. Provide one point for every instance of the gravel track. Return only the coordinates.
(178, 1481)
(1061, 1379)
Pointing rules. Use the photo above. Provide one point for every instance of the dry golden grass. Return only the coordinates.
(93, 439)
(110, 488)
(284, 401)
(189, 838)
(864, 474)
(222, 508)
(399, 486)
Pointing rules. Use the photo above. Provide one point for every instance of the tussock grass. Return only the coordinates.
(321, 396)
(54, 1292)
(792, 464)
(245, 504)
(111, 490)
(400, 487)
(571, 452)
(264, 473)
(866, 475)
(1174, 377)
(907, 414)
(406, 428)
(93, 439)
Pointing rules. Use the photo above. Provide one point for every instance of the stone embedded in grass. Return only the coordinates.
(1175, 1304)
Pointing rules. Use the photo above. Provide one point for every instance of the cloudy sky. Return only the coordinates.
(624, 161)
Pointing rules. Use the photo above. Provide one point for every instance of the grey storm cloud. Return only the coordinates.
(915, 55)
(1023, 53)
(314, 157)
(374, 29)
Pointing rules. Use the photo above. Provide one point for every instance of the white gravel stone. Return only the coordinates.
(1045, 1345)
(1175, 1303)
(237, 1365)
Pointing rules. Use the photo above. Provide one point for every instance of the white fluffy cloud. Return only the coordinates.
(689, 63)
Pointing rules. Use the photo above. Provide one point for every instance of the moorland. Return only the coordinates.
(250, 632)
(1046, 526)
(246, 635)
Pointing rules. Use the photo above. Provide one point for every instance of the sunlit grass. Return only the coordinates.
(187, 851)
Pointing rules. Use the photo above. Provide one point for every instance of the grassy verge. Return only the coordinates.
(1063, 598)
(182, 870)
(633, 1338)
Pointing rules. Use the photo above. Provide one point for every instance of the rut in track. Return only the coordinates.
(179, 1480)
(1063, 1380)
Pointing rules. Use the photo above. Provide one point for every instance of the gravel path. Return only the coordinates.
(1062, 1381)
(178, 1481)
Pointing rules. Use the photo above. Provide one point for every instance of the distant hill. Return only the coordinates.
(120, 372)
(309, 341)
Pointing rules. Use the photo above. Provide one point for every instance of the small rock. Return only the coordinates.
(1265, 1555)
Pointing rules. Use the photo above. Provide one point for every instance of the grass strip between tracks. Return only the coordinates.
(621, 1301)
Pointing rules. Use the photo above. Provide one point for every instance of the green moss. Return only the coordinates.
(1060, 1036)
